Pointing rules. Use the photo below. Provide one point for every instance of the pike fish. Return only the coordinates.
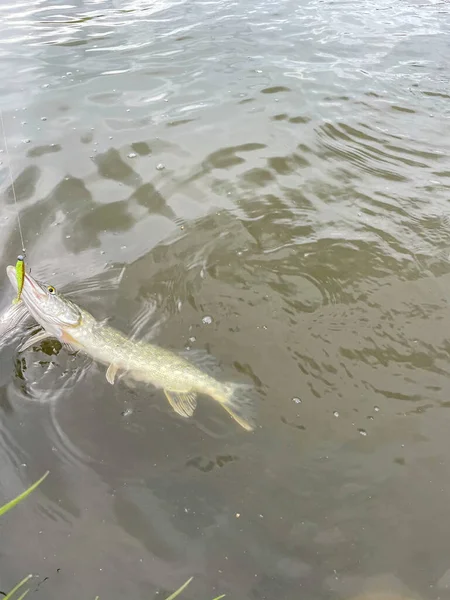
(180, 379)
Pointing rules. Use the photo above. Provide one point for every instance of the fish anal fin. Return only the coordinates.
(183, 403)
(35, 339)
(111, 373)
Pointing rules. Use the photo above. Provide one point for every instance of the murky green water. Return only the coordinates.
(269, 181)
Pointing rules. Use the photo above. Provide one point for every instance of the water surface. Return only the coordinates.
(268, 181)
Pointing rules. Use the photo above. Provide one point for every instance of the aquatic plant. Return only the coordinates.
(184, 586)
(4, 509)
(20, 586)
(22, 496)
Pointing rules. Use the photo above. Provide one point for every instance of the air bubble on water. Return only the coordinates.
(128, 110)
(258, 70)
(376, 409)
(123, 247)
(69, 73)
(362, 432)
(127, 412)
(43, 118)
(296, 400)
(27, 141)
(67, 237)
(23, 123)
(335, 414)
(192, 339)
(207, 320)
(45, 85)
(160, 167)
(110, 137)
(132, 155)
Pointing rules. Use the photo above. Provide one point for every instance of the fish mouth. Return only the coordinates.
(32, 288)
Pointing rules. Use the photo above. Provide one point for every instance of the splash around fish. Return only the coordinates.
(75, 328)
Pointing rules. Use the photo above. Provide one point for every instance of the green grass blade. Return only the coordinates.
(219, 597)
(22, 496)
(179, 590)
(23, 595)
(18, 586)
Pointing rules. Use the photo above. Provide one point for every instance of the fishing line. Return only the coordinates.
(12, 181)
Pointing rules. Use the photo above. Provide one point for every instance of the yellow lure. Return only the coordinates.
(20, 276)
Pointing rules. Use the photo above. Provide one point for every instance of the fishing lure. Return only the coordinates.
(20, 276)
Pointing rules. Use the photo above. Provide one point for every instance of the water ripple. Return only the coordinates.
(268, 182)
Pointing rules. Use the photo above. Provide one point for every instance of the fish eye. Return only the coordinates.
(51, 289)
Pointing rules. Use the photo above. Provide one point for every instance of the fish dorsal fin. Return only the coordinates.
(35, 339)
(111, 373)
(183, 403)
(201, 359)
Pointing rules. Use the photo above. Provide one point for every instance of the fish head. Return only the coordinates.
(53, 311)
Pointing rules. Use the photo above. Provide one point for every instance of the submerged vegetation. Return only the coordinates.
(22, 496)
(19, 592)
(4, 509)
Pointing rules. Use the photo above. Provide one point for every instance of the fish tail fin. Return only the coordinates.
(235, 399)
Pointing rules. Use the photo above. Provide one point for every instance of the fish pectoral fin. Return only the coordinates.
(34, 340)
(69, 347)
(183, 403)
(111, 373)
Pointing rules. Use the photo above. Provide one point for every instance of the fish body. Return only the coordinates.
(20, 276)
(180, 379)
